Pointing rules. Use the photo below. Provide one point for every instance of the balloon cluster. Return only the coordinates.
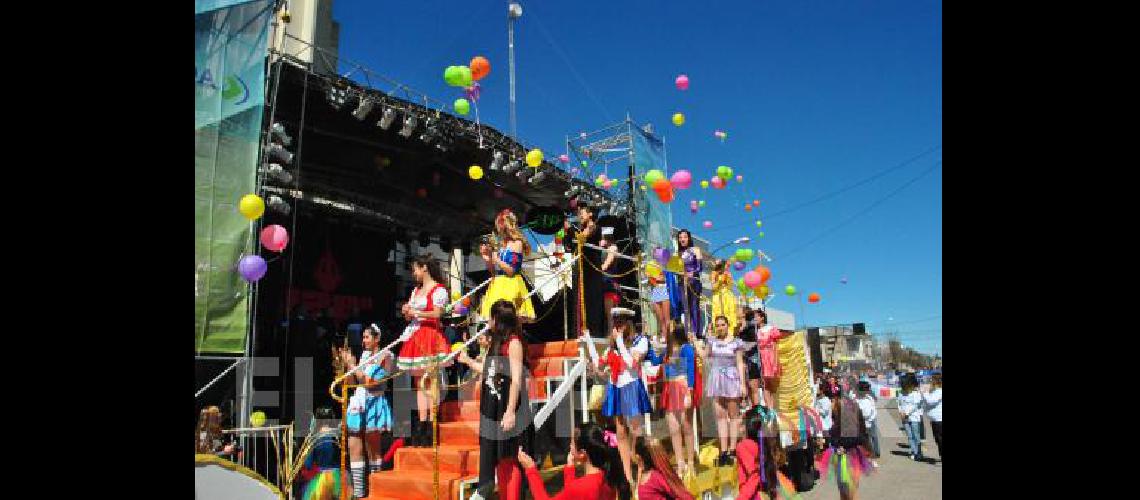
(273, 237)
(467, 77)
(720, 134)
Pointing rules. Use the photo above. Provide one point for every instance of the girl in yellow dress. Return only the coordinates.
(506, 267)
(723, 300)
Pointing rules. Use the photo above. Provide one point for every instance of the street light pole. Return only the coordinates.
(514, 11)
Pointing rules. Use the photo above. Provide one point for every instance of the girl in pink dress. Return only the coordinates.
(766, 337)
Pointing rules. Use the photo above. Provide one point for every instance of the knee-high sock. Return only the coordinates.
(357, 478)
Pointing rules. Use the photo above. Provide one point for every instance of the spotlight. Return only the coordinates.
(337, 97)
(496, 161)
(278, 173)
(363, 109)
(277, 204)
(423, 239)
(409, 125)
(387, 119)
(538, 177)
(279, 154)
(512, 166)
(277, 133)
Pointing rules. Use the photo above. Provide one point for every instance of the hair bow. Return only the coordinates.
(610, 438)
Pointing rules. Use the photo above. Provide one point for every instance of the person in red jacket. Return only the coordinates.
(658, 480)
(759, 458)
(604, 477)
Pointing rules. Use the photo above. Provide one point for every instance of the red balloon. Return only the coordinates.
(765, 273)
(665, 194)
(756, 202)
(274, 238)
(813, 298)
(661, 185)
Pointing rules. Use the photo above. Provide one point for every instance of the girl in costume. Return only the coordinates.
(726, 386)
(505, 422)
(766, 338)
(611, 289)
(658, 298)
(748, 333)
(677, 397)
(424, 344)
(760, 456)
(846, 457)
(657, 481)
(723, 298)
(368, 412)
(506, 267)
(626, 399)
(603, 478)
(691, 257)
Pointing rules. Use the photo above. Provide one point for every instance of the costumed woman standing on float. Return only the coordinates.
(766, 338)
(626, 399)
(424, 344)
(368, 411)
(691, 256)
(506, 267)
(723, 300)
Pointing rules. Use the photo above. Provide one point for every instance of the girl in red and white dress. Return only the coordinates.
(766, 337)
(424, 343)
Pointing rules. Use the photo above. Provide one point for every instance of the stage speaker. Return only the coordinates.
(859, 328)
(816, 350)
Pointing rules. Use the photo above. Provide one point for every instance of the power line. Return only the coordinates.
(861, 212)
(834, 193)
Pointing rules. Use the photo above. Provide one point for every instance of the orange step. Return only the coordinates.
(454, 411)
(413, 485)
(460, 459)
(459, 433)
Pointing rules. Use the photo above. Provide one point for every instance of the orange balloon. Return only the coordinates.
(813, 298)
(748, 208)
(765, 273)
(480, 67)
(756, 202)
(466, 301)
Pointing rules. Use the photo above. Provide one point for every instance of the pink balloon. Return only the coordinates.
(717, 182)
(574, 171)
(682, 82)
(274, 238)
(708, 224)
(752, 279)
(564, 158)
(681, 179)
(740, 178)
(609, 183)
(693, 204)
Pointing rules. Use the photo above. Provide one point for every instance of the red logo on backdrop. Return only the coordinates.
(327, 273)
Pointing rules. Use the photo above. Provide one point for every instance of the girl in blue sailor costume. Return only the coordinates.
(626, 399)
(506, 267)
(368, 411)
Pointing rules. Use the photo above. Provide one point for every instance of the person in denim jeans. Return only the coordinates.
(870, 417)
(910, 408)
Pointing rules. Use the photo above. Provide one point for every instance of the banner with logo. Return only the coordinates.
(229, 100)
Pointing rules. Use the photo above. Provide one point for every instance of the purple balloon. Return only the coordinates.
(252, 267)
(473, 91)
(574, 171)
(661, 255)
(738, 265)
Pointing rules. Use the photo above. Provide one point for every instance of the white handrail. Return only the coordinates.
(219, 377)
(556, 398)
(596, 247)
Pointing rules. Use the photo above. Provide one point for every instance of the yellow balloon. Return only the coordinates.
(704, 184)
(251, 206)
(475, 172)
(257, 419)
(456, 346)
(653, 269)
(678, 119)
(534, 158)
(455, 295)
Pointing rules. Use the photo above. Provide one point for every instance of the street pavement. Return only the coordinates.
(898, 477)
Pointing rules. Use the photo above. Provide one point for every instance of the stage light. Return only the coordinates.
(409, 125)
(279, 154)
(496, 161)
(337, 97)
(363, 109)
(277, 133)
(278, 205)
(538, 177)
(387, 118)
(279, 174)
(423, 240)
(512, 166)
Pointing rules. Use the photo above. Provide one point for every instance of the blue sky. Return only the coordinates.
(815, 96)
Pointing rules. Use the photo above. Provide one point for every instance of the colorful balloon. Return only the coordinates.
(574, 171)
(761, 235)
(652, 176)
(462, 106)
(813, 297)
(764, 273)
(693, 205)
(534, 158)
(718, 183)
(251, 206)
(843, 280)
(678, 119)
(756, 202)
(759, 223)
(748, 208)
(473, 91)
(480, 67)
(660, 184)
(465, 79)
(704, 184)
(762, 291)
(739, 266)
(682, 82)
(421, 192)
(681, 179)
(752, 279)
(739, 178)
(608, 184)
(252, 268)
(475, 172)
(584, 164)
(708, 224)
(274, 238)
(257, 419)
(724, 172)
(790, 290)
(564, 158)
(452, 76)
(741, 286)
(701, 203)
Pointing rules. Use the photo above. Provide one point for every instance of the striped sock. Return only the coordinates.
(375, 466)
(357, 479)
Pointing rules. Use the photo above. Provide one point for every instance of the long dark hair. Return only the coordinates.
(678, 339)
(653, 457)
(770, 447)
(426, 260)
(683, 248)
(590, 438)
(506, 324)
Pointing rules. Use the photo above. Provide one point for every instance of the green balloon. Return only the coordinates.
(560, 234)
(599, 181)
(462, 106)
(464, 76)
(584, 164)
(701, 203)
(761, 235)
(653, 175)
(724, 172)
(758, 223)
(790, 290)
(452, 76)
(744, 254)
(740, 285)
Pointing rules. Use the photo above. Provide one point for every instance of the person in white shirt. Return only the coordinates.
(870, 414)
(823, 406)
(910, 408)
(932, 401)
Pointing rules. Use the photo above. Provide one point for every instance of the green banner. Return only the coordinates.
(229, 100)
